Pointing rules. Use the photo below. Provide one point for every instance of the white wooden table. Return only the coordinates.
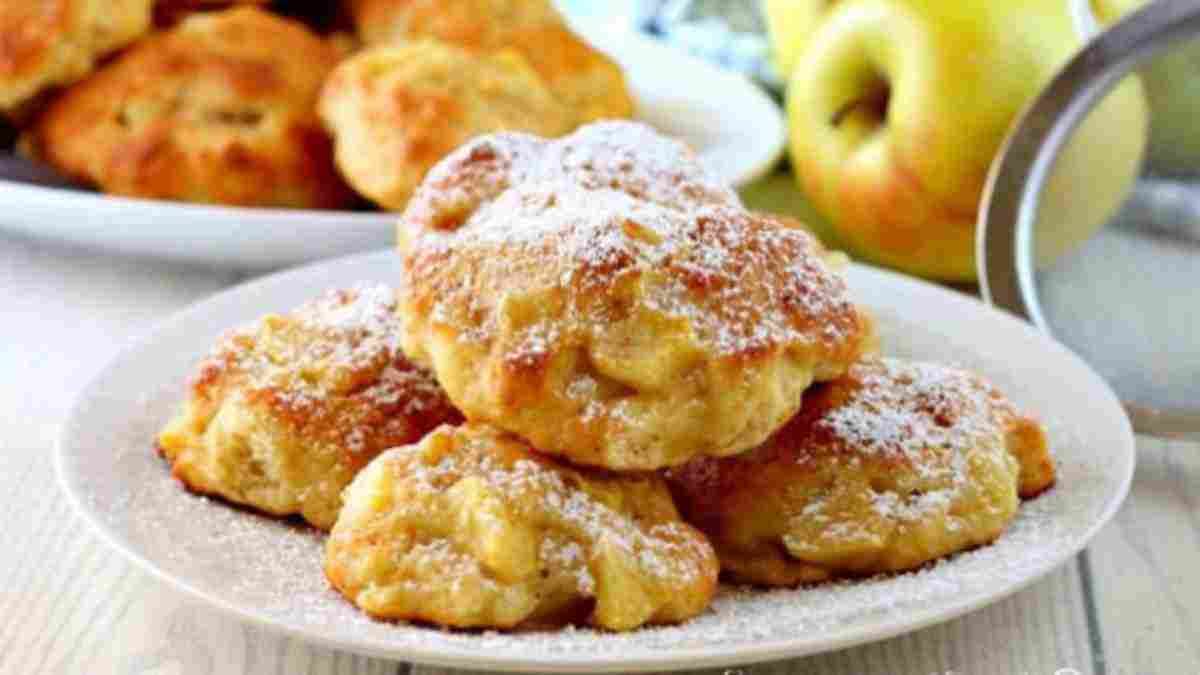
(69, 605)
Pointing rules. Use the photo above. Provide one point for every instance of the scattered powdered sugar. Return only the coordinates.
(892, 505)
(411, 386)
(342, 329)
(568, 555)
(367, 311)
(273, 570)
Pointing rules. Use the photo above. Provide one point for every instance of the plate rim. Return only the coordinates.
(674, 659)
(88, 198)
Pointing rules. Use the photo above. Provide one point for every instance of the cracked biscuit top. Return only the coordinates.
(625, 328)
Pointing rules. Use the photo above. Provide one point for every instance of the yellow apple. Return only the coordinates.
(1108, 11)
(1172, 83)
(789, 23)
(897, 108)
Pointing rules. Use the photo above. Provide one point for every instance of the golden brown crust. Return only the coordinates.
(1027, 441)
(47, 43)
(892, 466)
(590, 83)
(219, 109)
(472, 528)
(396, 110)
(284, 413)
(623, 331)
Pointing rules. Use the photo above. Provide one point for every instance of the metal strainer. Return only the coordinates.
(1127, 299)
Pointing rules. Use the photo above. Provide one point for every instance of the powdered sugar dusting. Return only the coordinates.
(271, 570)
(559, 554)
(344, 345)
(744, 283)
(905, 407)
(542, 494)
(926, 415)
(351, 330)
(626, 156)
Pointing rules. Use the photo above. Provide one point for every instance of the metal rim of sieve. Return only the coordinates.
(1008, 210)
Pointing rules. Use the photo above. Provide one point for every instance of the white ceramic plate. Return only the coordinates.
(737, 130)
(269, 573)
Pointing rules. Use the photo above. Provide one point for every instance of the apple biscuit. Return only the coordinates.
(894, 465)
(49, 43)
(286, 411)
(395, 111)
(219, 109)
(588, 82)
(621, 333)
(471, 528)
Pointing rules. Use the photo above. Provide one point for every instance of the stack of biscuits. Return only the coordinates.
(271, 103)
(599, 384)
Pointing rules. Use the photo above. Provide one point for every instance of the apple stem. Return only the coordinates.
(874, 102)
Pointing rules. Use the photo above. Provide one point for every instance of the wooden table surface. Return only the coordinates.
(68, 604)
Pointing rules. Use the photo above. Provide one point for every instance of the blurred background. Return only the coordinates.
(732, 33)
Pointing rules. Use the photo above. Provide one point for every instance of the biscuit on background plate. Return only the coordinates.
(48, 43)
(395, 111)
(589, 82)
(219, 109)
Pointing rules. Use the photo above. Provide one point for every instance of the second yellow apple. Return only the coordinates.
(1172, 83)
